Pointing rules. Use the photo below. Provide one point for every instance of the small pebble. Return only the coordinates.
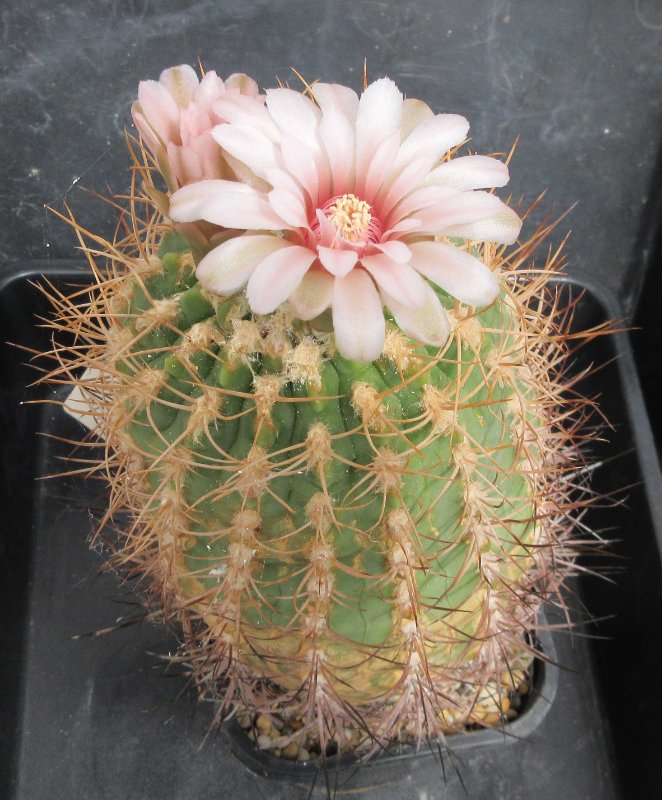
(291, 751)
(263, 724)
(264, 742)
(303, 755)
(244, 720)
(280, 741)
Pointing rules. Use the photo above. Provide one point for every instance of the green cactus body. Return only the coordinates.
(332, 534)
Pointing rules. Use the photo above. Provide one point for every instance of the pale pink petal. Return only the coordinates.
(211, 88)
(193, 121)
(210, 156)
(396, 251)
(324, 178)
(328, 234)
(160, 110)
(459, 209)
(227, 203)
(379, 115)
(295, 115)
(187, 204)
(241, 172)
(409, 225)
(358, 317)
(239, 82)
(144, 128)
(337, 262)
(397, 280)
(339, 106)
(470, 172)
(428, 324)
(181, 82)
(281, 179)
(414, 112)
(400, 185)
(247, 111)
(313, 295)
(432, 139)
(300, 163)
(226, 268)
(336, 97)
(502, 228)
(337, 138)
(457, 272)
(249, 146)
(289, 207)
(380, 167)
(421, 198)
(277, 277)
(184, 163)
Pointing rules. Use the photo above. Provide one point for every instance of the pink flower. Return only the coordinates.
(351, 209)
(175, 117)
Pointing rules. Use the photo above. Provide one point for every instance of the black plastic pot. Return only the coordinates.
(90, 715)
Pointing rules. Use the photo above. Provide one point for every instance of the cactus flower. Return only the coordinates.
(175, 116)
(354, 207)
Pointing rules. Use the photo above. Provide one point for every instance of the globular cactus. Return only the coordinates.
(360, 543)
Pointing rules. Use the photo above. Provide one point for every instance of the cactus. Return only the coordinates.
(361, 545)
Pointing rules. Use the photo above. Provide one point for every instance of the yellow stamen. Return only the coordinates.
(351, 217)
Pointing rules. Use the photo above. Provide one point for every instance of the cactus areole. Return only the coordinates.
(332, 401)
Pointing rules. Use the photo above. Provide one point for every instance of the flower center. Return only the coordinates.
(351, 217)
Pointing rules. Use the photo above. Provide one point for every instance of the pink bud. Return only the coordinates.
(175, 116)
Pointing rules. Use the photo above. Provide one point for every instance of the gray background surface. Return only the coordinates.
(579, 82)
